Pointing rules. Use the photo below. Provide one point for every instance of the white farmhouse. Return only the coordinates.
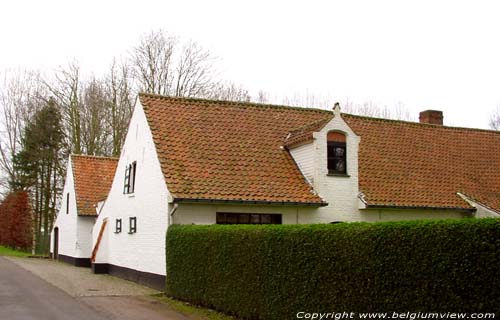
(87, 184)
(194, 161)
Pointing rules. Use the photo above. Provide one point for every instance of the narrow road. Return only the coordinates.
(25, 296)
(44, 289)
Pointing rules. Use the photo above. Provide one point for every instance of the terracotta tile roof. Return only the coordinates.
(304, 134)
(93, 177)
(420, 165)
(228, 151)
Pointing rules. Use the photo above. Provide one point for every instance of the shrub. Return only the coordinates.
(15, 221)
(273, 272)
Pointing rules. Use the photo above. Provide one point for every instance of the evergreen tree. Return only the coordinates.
(38, 165)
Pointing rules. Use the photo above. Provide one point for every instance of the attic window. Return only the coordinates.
(336, 153)
(129, 184)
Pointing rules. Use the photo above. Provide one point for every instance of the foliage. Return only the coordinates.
(192, 312)
(6, 251)
(38, 166)
(273, 272)
(15, 221)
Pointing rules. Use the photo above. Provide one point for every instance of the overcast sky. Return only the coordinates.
(441, 55)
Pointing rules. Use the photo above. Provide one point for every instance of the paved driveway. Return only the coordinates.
(45, 289)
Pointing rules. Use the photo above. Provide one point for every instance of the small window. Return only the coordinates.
(336, 153)
(67, 203)
(129, 184)
(118, 226)
(132, 225)
(247, 218)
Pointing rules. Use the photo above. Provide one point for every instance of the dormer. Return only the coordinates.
(326, 152)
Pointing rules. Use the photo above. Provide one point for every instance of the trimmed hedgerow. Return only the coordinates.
(273, 272)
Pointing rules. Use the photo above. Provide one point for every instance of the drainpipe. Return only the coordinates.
(171, 213)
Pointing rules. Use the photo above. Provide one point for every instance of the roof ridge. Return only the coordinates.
(309, 125)
(242, 104)
(94, 157)
(418, 123)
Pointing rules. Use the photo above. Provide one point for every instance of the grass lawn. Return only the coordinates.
(4, 251)
(191, 311)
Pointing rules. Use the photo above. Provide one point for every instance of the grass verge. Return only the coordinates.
(191, 311)
(5, 251)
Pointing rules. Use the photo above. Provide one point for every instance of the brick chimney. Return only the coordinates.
(432, 117)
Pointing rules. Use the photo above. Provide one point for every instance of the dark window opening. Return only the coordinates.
(129, 184)
(336, 153)
(118, 226)
(67, 203)
(248, 218)
(132, 225)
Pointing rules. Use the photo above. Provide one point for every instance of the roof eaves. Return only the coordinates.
(278, 203)
(383, 206)
(467, 197)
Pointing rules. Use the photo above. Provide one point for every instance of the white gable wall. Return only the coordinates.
(145, 249)
(304, 156)
(67, 223)
(341, 192)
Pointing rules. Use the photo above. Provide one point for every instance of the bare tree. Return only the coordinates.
(371, 109)
(120, 103)
(163, 66)
(66, 90)
(230, 92)
(21, 95)
(495, 119)
(94, 133)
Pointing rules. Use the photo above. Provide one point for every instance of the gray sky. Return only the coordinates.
(425, 54)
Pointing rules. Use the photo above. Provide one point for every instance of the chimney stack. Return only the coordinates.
(431, 117)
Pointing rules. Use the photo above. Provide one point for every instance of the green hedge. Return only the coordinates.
(273, 272)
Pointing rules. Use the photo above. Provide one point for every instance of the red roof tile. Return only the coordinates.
(93, 177)
(420, 165)
(304, 134)
(228, 151)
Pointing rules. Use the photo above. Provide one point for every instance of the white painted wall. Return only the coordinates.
(376, 215)
(341, 192)
(304, 156)
(144, 250)
(196, 213)
(75, 232)
(67, 223)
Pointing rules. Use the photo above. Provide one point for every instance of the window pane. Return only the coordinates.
(340, 165)
(331, 164)
(244, 219)
(266, 218)
(231, 218)
(276, 218)
(255, 219)
(339, 152)
(221, 218)
(330, 149)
